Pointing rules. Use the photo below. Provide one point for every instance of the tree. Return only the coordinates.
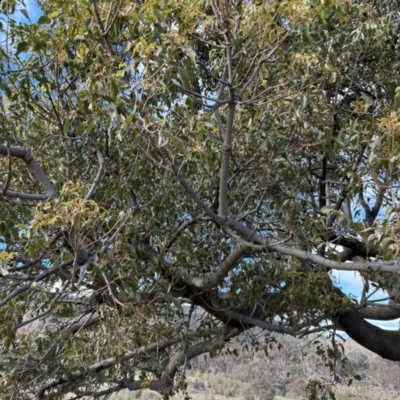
(177, 173)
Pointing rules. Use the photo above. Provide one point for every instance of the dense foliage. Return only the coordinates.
(175, 173)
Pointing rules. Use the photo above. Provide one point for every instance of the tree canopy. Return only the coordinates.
(176, 173)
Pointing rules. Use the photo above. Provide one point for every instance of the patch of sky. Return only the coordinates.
(352, 284)
(26, 12)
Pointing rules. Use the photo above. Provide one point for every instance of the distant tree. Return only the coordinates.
(175, 173)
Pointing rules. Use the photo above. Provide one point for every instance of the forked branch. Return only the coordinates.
(35, 168)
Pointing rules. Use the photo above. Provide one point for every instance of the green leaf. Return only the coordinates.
(326, 209)
(126, 46)
(123, 296)
(303, 102)
(43, 20)
(358, 226)
(190, 53)
(114, 89)
(386, 242)
(24, 11)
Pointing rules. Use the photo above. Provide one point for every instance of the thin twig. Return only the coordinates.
(101, 26)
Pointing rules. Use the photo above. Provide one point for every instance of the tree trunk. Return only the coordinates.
(382, 342)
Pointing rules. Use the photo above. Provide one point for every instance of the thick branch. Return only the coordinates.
(110, 362)
(166, 382)
(226, 155)
(250, 321)
(216, 278)
(360, 248)
(365, 206)
(382, 342)
(386, 313)
(24, 196)
(251, 238)
(26, 157)
(99, 176)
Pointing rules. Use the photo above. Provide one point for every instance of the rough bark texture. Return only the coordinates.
(380, 313)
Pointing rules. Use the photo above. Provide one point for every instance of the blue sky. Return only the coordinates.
(351, 283)
(33, 11)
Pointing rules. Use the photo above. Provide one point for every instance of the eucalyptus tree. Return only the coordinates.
(176, 173)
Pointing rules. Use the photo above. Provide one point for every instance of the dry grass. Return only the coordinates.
(286, 372)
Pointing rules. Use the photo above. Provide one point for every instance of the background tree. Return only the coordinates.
(166, 157)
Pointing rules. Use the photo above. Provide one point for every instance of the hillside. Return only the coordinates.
(284, 374)
(287, 370)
